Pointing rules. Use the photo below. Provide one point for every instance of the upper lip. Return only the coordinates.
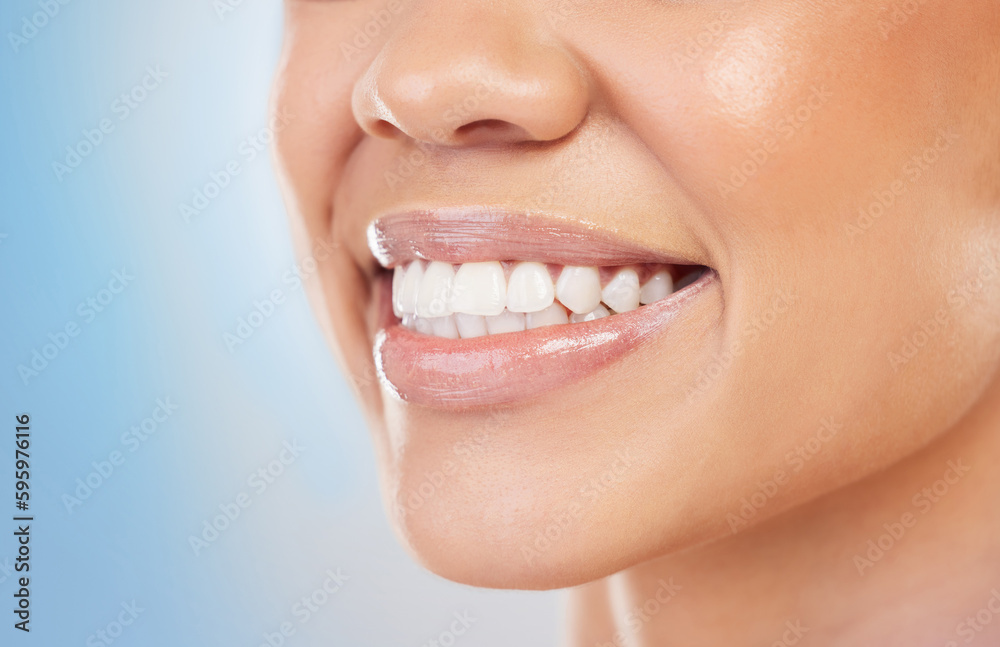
(470, 234)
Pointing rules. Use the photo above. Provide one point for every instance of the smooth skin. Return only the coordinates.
(836, 162)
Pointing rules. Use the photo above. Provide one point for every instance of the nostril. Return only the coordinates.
(384, 129)
(486, 124)
(490, 130)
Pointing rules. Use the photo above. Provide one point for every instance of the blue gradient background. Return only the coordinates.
(162, 337)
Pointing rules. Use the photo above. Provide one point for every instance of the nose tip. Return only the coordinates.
(482, 82)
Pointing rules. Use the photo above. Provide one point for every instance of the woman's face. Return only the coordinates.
(835, 165)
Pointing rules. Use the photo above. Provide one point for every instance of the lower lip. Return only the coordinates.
(511, 367)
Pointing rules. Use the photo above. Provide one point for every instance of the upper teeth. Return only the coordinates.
(475, 289)
(622, 292)
(474, 299)
(579, 288)
(529, 288)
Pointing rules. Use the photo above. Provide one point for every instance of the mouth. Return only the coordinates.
(477, 308)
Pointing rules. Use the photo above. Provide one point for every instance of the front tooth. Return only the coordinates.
(621, 294)
(409, 288)
(659, 286)
(597, 313)
(506, 321)
(435, 288)
(551, 316)
(470, 325)
(397, 290)
(408, 321)
(579, 288)
(445, 327)
(479, 289)
(529, 288)
(423, 325)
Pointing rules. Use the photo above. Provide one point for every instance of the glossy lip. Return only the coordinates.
(506, 368)
(464, 235)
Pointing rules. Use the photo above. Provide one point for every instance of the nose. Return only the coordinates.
(466, 73)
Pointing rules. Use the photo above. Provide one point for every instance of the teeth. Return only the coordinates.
(506, 321)
(423, 325)
(579, 288)
(470, 325)
(551, 316)
(476, 300)
(444, 327)
(597, 313)
(529, 288)
(621, 294)
(659, 286)
(397, 290)
(408, 289)
(434, 291)
(479, 289)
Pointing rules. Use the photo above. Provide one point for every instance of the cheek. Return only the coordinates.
(833, 157)
(319, 67)
(790, 119)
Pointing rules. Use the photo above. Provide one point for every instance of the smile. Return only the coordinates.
(462, 325)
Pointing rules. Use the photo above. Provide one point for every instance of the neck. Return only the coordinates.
(910, 556)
